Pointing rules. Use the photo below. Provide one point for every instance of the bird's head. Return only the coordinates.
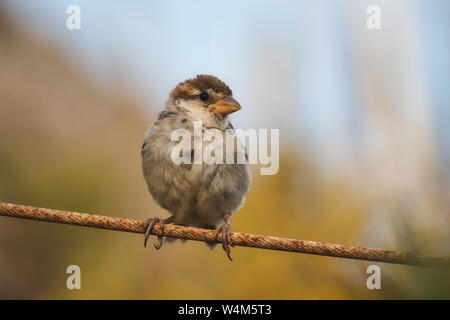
(203, 96)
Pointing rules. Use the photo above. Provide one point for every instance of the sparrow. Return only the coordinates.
(197, 194)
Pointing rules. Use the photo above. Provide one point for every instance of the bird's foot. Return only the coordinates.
(226, 238)
(150, 224)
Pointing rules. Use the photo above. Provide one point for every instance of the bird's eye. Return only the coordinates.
(204, 96)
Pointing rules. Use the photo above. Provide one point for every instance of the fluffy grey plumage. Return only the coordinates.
(200, 195)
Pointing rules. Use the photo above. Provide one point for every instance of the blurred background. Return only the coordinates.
(364, 142)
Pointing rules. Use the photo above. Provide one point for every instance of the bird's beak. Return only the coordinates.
(225, 106)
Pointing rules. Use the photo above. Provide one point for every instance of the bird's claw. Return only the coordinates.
(150, 224)
(226, 238)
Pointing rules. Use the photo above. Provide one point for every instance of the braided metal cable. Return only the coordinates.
(238, 239)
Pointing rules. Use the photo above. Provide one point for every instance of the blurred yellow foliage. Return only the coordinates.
(68, 146)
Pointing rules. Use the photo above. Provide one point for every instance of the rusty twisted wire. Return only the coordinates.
(238, 239)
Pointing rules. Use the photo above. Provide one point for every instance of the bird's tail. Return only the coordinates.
(210, 245)
(170, 239)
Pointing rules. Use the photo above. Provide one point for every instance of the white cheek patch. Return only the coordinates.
(190, 105)
(197, 110)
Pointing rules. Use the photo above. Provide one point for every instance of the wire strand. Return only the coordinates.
(238, 239)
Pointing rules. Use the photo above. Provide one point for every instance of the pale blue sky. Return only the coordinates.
(291, 64)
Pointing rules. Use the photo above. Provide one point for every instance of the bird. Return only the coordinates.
(197, 194)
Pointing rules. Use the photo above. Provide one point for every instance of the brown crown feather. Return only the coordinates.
(202, 82)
